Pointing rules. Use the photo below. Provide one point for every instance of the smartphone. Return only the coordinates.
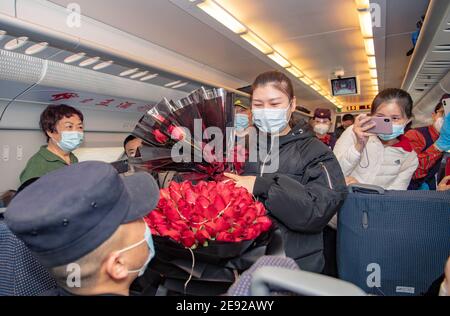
(383, 125)
(446, 104)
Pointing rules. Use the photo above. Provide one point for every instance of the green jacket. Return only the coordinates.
(43, 162)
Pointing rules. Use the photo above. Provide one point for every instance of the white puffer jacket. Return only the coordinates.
(389, 167)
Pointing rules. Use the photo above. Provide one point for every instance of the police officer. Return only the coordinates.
(84, 224)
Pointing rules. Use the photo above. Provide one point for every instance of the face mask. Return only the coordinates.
(443, 290)
(147, 238)
(321, 129)
(397, 130)
(438, 124)
(241, 122)
(270, 121)
(70, 141)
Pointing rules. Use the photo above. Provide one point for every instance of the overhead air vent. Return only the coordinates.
(442, 48)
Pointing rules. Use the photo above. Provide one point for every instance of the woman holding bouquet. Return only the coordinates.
(308, 188)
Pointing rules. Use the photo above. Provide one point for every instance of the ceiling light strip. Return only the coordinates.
(229, 21)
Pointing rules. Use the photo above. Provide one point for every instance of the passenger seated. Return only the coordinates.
(321, 124)
(63, 127)
(388, 161)
(84, 224)
(424, 141)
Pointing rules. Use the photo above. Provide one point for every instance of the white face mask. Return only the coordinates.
(443, 290)
(271, 121)
(321, 128)
(438, 124)
(151, 250)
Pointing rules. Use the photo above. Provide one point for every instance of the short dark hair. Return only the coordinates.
(128, 139)
(348, 117)
(55, 113)
(401, 97)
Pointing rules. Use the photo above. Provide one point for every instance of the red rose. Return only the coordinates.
(219, 203)
(164, 194)
(250, 215)
(238, 233)
(224, 236)
(159, 118)
(190, 196)
(175, 132)
(202, 236)
(203, 202)
(211, 229)
(260, 209)
(174, 234)
(172, 214)
(213, 210)
(251, 233)
(179, 225)
(188, 238)
(160, 137)
(156, 218)
(264, 223)
(222, 225)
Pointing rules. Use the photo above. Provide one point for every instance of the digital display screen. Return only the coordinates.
(344, 86)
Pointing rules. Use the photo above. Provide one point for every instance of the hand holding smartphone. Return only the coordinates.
(383, 125)
(446, 104)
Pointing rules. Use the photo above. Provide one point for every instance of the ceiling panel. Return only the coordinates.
(318, 36)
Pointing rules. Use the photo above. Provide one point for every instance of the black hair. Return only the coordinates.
(55, 113)
(278, 80)
(348, 117)
(401, 97)
(128, 139)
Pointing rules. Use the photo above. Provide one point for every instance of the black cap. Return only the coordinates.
(68, 213)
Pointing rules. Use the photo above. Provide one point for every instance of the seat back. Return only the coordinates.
(242, 287)
(20, 273)
(393, 242)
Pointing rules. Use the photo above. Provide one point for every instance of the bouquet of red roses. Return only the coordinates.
(195, 215)
(206, 234)
(169, 123)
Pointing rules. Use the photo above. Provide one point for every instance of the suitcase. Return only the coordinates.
(393, 242)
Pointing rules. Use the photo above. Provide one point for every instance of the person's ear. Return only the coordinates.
(53, 135)
(115, 266)
(293, 104)
(433, 116)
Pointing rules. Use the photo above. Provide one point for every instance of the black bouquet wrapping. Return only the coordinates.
(207, 271)
(192, 123)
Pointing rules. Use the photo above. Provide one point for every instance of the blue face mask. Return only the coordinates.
(270, 121)
(70, 141)
(241, 122)
(397, 130)
(149, 240)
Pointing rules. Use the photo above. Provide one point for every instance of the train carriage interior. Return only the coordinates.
(114, 61)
